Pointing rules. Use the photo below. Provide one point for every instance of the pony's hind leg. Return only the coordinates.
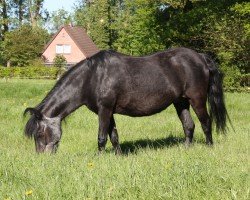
(199, 106)
(182, 108)
(114, 136)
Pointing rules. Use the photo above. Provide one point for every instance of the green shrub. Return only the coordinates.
(233, 80)
(59, 61)
(38, 62)
(22, 45)
(245, 80)
(29, 72)
(232, 76)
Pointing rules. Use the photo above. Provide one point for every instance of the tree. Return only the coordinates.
(19, 10)
(23, 45)
(4, 18)
(98, 18)
(139, 28)
(2, 61)
(35, 11)
(215, 27)
(59, 18)
(14, 13)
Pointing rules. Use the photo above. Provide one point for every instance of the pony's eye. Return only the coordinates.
(39, 136)
(40, 132)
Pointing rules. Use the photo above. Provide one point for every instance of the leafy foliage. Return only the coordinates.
(217, 27)
(15, 13)
(98, 18)
(23, 45)
(139, 28)
(33, 72)
(59, 18)
(59, 61)
(220, 28)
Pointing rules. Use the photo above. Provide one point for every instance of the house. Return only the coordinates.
(72, 42)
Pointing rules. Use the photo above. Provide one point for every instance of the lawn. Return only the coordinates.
(155, 164)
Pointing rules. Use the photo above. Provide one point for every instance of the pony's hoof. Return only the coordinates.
(188, 144)
(100, 152)
(209, 144)
(118, 152)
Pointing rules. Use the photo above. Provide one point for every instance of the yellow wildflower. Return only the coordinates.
(90, 165)
(24, 104)
(168, 166)
(110, 189)
(29, 192)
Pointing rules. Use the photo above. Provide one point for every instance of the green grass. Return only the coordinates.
(156, 164)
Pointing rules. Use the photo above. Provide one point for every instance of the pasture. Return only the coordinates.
(155, 164)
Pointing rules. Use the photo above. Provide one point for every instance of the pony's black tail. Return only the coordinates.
(217, 107)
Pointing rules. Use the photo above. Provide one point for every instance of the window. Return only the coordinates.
(59, 48)
(63, 49)
(66, 49)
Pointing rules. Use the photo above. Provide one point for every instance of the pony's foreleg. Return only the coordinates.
(182, 108)
(114, 136)
(104, 116)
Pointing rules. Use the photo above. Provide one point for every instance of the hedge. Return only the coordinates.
(30, 72)
(55, 72)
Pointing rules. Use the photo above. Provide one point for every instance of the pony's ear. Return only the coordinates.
(38, 115)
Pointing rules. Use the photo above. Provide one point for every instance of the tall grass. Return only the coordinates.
(155, 164)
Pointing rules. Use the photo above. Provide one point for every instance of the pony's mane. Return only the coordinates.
(31, 127)
(58, 83)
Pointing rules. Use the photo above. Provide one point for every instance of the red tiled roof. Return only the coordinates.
(81, 38)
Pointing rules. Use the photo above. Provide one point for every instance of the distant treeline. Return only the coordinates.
(220, 28)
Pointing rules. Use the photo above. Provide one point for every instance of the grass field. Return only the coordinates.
(155, 165)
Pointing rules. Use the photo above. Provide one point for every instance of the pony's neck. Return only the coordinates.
(68, 94)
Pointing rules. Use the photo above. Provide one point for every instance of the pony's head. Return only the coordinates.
(46, 131)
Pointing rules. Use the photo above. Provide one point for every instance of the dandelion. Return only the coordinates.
(90, 165)
(24, 104)
(168, 166)
(29, 192)
(110, 189)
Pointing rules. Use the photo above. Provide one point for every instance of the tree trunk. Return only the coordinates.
(35, 7)
(5, 16)
(20, 12)
(8, 63)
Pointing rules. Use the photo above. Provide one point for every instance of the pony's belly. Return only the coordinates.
(142, 105)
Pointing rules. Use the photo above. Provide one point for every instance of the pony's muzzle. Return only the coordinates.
(51, 147)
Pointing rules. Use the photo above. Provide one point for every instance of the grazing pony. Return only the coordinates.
(111, 82)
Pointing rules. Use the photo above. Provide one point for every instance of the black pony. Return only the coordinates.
(110, 82)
